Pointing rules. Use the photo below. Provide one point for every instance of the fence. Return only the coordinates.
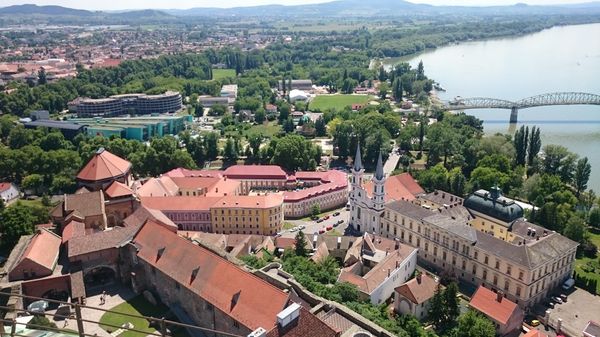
(161, 323)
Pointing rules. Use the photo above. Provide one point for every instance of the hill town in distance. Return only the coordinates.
(277, 170)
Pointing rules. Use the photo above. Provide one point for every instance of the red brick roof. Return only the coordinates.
(418, 291)
(4, 186)
(42, 250)
(197, 183)
(181, 172)
(73, 229)
(255, 172)
(485, 301)
(534, 333)
(239, 294)
(306, 325)
(117, 190)
(329, 181)
(400, 187)
(104, 165)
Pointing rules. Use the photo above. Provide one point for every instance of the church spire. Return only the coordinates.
(357, 161)
(379, 171)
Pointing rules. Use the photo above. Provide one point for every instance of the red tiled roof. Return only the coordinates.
(143, 214)
(104, 165)
(73, 229)
(306, 325)
(250, 201)
(418, 292)
(329, 181)
(181, 172)
(43, 249)
(158, 187)
(485, 301)
(98, 241)
(117, 189)
(195, 182)
(239, 294)
(400, 187)
(4, 186)
(255, 172)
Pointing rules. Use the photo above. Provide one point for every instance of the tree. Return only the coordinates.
(33, 182)
(435, 178)
(294, 152)
(576, 229)
(473, 324)
(260, 116)
(534, 145)
(38, 321)
(300, 244)
(451, 302)
(211, 145)
(520, 143)
(397, 89)
(15, 221)
(594, 217)
(436, 310)
(42, 79)
(255, 140)
(289, 126)
(384, 87)
(217, 110)
(420, 71)
(582, 175)
(457, 182)
(315, 210)
(320, 127)
(230, 153)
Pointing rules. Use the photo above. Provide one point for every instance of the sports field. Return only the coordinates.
(325, 102)
(222, 73)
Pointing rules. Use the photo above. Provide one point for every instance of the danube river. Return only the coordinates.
(557, 59)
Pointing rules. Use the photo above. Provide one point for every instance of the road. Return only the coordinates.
(313, 226)
(391, 162)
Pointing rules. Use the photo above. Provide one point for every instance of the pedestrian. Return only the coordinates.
(66, 323)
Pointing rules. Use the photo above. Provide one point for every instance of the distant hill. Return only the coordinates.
(44, 10)
(342, 8)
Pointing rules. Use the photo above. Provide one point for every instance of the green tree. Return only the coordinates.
(451, 302)
(457, 182)
(520, 144)
(289, 126)
(255, 140)
(230, 153)
(15, 221)
(473, 324)
(576, 229)
(437, 311)
(211, 145)
(217, 110)
(582, 175)
(260, 116)
(320, 127)
(315, 210)
(594, 217)
(384, 87)
(435, 178)
(300, 244)
(294, 152)
(33, 182)
(42, 79)
(534, 145)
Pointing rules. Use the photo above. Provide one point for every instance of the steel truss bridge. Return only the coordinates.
(556, 98)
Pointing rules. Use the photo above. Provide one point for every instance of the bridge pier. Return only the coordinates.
(514, 115)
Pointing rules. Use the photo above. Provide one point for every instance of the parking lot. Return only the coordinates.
(312, 226)
(581, 307)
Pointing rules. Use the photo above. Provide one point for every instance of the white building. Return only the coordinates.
(366, 210)
(298, 95)
(8, 192)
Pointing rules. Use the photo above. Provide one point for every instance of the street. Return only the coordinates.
(312, 226)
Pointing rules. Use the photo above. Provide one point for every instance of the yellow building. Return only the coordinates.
(493, 213)
(259, 214)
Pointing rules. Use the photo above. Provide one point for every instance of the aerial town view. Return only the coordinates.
(289, 168)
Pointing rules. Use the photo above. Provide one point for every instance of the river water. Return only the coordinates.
(560, 59)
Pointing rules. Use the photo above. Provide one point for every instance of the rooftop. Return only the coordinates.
(399, 187)
(112, 238)
(255, 172)
(239, 294)
(305, 325)
(493, 305)
(104, 165)
(493, 204)
(43, 249)
(419, 289)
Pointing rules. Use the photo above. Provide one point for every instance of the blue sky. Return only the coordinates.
(138, 4)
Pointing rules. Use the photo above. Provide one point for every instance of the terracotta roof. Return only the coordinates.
(104, 165)
(112, 238)
(43, 249)
(400, 187)
(330, 181)
(181, 172)
(306, 325)
(290, 243)
(73, 229)
(255, 172)
(143, 214)
(77, 285)
(180, 203)
(485, 301)
(158, 187)
(250, 201)
(117, 190)
(321, 253)
(418, 291)
(224, 187)
(86, 204)
(190, 183)
(241, 295)
(4, 186)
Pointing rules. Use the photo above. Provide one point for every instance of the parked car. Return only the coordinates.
(336, 213)
(314, 217)
(293, 229)
(557, 299)
(329, 228)
(347, 207)
(301, 227)
(320, 220)
(568, 284)
(321, 231)
(563, 297)
(535, 322)
(326, 218)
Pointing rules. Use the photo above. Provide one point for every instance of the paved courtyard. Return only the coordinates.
(581, 307)
(115, 295)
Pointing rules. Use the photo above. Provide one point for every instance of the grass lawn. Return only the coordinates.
(287, 225)
(267, 130)
(334, 232)
(223, 73)
(324, 102)
(136, 306)
(585, 263)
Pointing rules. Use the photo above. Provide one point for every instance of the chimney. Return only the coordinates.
(397, 264)
(396, 244)
(499, 296)
(419, 278)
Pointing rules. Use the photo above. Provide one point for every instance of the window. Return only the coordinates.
(475, 255)
(508, 269)
(485, 275)
(518, 291)
(497, 264)
(485, 259)
(495, 279)
(521, 275)
(474, 269)
(506, 285)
